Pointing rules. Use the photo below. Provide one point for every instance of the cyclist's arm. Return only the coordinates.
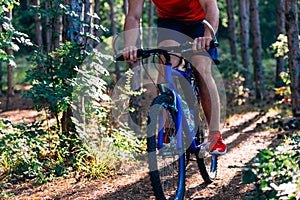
(212, 16)
(211, 13)
(131, 28)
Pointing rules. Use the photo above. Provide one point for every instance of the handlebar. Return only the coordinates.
(141, 53)
(183, 48)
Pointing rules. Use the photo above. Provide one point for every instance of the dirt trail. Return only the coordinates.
(244, 141)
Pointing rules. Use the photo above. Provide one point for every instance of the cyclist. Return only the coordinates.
(177, 18)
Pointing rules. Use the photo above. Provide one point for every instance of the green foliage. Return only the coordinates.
(29, 151)
(223, 14)
(124, 138)
(9, 36)
(68, 76)
(276, 171)
(6, 5)
(281, 46)
(127, 87)
(267, 18)
(24, 22)
(41, 153)
(51, 77)
(237, 94)
(109, 142)
(284, 91)
(106, 20)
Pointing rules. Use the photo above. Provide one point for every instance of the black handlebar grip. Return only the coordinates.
(214, 44)
(120, 57)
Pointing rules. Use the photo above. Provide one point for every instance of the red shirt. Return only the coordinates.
(183, 10)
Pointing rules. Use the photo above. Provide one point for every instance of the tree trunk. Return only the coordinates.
(231, 29)
(1, 75)
(73, 34)
(37, 24)
(150, 36)
(292, 29)
(150, 24)
(114, 31)
(74, 26)
(125, 6)
(244, 26)
(256, 50)
(97, 20)
(1, 69)
(279, 30)
(87, 19)
(57, 35)
(10, 75)
(48, 7)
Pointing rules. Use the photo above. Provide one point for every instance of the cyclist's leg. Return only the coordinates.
(210, 101)
(208, 89)
(170, 33)
(174, 60)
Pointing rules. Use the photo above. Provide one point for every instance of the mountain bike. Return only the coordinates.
(177, 128)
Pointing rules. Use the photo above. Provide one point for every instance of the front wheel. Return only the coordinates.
(166, 158)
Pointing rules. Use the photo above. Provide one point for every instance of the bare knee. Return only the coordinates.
(203, 66)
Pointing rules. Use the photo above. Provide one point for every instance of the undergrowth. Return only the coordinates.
(275, 172)
(42, 151)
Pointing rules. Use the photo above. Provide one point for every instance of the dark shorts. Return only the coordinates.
(182, 31)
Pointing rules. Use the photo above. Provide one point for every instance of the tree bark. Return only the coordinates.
(74, 26)
(231, 29)
(37, 24)
(114, 32)
(150, 24)
(256, 50)
(125, 6)
(1, 69)
(10, 75)
(292, 29)
(97, 20)
(48, 26)
(244, 26)
(1, 75)
(57, 35)
(73, 34)
(279, 30)
(150, 34)
(88, 23)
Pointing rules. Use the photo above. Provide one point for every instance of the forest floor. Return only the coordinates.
(245, 137)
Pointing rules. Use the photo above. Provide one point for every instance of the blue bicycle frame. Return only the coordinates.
(169, 72)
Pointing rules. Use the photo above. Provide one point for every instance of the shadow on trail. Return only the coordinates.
(139, 190)
(235, 186)
(143, 189)
(240, 129)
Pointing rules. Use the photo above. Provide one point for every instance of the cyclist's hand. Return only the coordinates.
(130, 54)
(201, 43)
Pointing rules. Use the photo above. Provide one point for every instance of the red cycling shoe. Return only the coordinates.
(216, 144)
